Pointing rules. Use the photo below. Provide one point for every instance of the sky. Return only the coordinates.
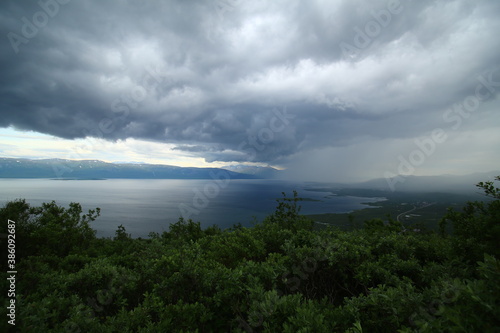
(326, 90)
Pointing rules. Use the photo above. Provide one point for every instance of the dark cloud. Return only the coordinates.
(193, 149)
(215, 79)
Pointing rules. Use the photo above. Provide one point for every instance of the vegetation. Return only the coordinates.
(280, 276)
(430, 207)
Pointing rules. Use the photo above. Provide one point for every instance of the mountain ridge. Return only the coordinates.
(96, 169)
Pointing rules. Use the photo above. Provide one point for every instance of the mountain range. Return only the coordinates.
(95, 169)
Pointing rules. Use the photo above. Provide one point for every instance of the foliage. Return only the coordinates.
(282, 275)
(476, 228)
(49, 229)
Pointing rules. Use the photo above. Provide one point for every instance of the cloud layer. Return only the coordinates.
(325, 87)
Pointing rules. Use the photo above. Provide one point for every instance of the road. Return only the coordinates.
(404, 213)
(411, 210)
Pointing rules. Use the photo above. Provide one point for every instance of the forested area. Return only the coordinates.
(282, 275)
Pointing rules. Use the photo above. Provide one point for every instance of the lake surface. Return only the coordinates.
(146, 205)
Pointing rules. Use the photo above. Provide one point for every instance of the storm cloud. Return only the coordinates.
(292, 83)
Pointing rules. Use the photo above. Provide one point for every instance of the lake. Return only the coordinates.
(146, 205)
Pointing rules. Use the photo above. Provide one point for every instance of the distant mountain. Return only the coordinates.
(260, 172)
(95, 169)
(443, 183)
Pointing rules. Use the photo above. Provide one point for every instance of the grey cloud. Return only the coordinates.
(208, 81)
(194, 149)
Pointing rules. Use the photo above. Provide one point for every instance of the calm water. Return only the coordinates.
(148, 205)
